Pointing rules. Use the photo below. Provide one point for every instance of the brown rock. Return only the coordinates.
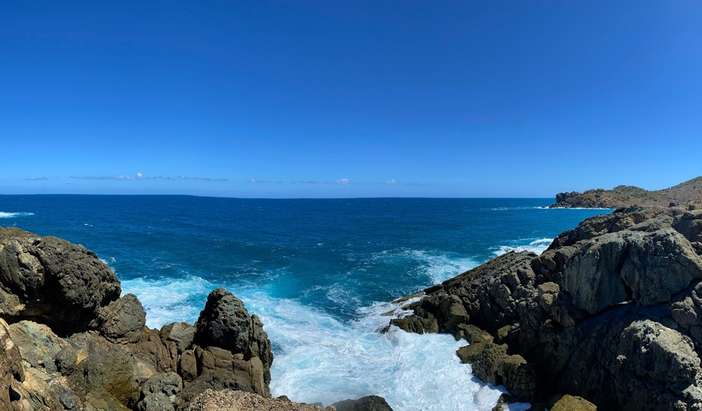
(573, 403)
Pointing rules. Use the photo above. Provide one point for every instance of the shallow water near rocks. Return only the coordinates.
(318, 272)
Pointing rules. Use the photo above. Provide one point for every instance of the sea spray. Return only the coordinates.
(319, 358)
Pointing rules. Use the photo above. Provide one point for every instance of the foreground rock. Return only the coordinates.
(367, 403)
(228, 400)
(52, 281)
(610, 312)
(689, 192)
(69, 341)
(573, 403)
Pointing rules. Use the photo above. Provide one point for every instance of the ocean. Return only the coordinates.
(320, 274)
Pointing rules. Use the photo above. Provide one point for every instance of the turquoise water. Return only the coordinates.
(319, 273)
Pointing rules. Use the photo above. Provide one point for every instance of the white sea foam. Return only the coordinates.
(170, 299)
(537, 246)
(8, 214)
(321, 359)
(575, 208)
(437, 267)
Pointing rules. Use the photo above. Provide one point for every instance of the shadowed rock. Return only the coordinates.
(52, 281)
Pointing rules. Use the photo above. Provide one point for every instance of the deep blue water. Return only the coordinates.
(313, 269)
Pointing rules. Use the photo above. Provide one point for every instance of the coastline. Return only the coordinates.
(500, 333)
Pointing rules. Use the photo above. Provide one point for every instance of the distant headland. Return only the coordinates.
(688, 192)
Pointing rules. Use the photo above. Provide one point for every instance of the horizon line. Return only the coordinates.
(284, 198)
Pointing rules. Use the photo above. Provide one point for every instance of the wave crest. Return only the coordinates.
(537, 246)
(13, 214)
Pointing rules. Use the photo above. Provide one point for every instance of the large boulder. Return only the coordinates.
(52, 281)
(226, 323)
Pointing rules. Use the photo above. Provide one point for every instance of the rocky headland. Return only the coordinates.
(70, 341)
(610, 314)
(688, 192)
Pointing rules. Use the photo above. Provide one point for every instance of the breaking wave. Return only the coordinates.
(8, 214)
(319, 358)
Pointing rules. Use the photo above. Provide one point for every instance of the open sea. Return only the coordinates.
(320, 274)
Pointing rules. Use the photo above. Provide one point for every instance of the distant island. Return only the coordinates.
(689, 192)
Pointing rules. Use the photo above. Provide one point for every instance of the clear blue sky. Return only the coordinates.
(356, 98)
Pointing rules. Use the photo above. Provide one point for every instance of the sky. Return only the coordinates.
(349, 98)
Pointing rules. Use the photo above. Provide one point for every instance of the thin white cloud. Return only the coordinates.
(141, 176)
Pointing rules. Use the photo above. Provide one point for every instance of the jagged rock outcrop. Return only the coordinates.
(68, 341)
(611, 312)
(225, 323)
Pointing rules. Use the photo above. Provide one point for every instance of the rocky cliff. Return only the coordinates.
(70, 341)
(612, 312)
(689, 192)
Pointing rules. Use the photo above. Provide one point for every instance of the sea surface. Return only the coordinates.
(320, 274)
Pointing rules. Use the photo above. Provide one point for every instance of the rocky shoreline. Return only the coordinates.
(70, 341)
(608, 317)
(683, 194)
(610, 312)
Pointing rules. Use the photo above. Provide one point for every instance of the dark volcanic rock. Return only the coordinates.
(367, 403)
(225, 323)
(74, 344)
(611, 312)
(52, 281)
